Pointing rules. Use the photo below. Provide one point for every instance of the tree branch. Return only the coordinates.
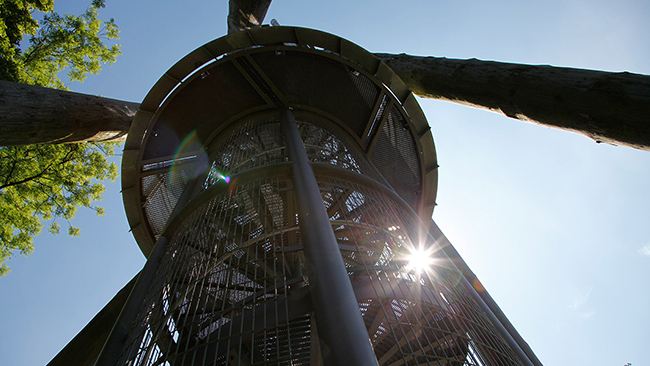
(13, 167)
(65, 160)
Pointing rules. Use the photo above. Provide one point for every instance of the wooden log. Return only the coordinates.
(605, 106)
(36, 115)
(245, 14)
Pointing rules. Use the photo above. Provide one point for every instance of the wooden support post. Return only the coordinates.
(245, 14)
(36, 115)
(605, 106)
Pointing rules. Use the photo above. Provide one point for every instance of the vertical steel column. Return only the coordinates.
(343, 336)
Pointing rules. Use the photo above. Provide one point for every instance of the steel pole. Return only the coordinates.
(451, 256)
(343, 336)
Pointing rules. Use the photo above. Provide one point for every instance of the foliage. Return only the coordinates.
(60, 42)
(15, 21)
(46, 182)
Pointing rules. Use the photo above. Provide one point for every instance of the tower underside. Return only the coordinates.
(209, 174)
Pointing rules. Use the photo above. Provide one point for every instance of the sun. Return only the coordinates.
(419, 260)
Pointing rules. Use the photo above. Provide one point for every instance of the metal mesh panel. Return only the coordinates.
(325, 144)
(256, 144)
(232, 287)
(395, 156)
(248, 146)
(223, 291)
(161, 192)
(212, 98)
(412, 318)
(323, 83)
(374, 126)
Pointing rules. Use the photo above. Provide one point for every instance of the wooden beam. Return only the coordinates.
(36, 115)
(245, 14)
(605, 106)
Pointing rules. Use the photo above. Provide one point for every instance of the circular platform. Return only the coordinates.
(249, 76)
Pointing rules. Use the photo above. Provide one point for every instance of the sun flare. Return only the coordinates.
(419, 260)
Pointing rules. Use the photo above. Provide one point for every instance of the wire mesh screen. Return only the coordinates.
(218, 94)
(247, 146)
(327, 144)
(254, 144)
(308, 79)
(162, 191)
(396, 157)
(414, 316)
(223, 292)
(232, 288)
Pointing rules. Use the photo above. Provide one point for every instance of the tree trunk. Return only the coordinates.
(605, 106)
(36, 115)
(245, 14)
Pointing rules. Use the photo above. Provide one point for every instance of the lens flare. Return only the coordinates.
(187, 145)
(221, 176)
(191, 149)
(478, 285)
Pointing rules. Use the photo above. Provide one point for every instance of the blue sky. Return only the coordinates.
(555, 225)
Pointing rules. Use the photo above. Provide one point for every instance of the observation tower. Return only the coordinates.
(280, 182)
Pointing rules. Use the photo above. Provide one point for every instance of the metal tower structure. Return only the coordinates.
(278, 180)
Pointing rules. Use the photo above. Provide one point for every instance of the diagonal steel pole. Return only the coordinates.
(342, 333)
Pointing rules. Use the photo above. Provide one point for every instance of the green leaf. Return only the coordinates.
(73, 231)
(54, 228)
